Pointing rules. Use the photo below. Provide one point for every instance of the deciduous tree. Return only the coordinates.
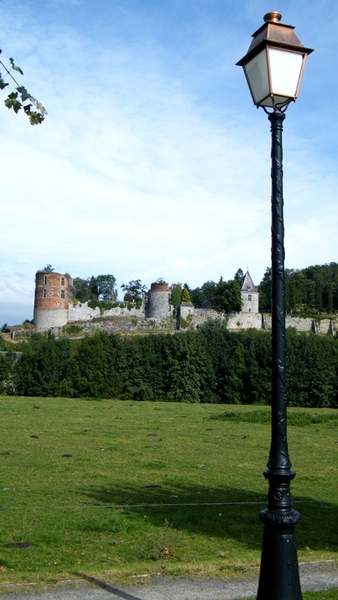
(227, 296)
(134, 290)
(106, 287)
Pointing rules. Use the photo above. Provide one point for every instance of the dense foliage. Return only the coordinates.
(307, 291)
(210, 365)
(176, 294)
(101, 287)
(42, 367)
(134, 290)
(224, 296)
(7, 361)
(185, 296)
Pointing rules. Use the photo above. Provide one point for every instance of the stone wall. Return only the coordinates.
(134, 319)
(201, 315)
(129, 325)
(320, 326)
(82, 312)
(235, 321)
(245, 321)
(238, 321)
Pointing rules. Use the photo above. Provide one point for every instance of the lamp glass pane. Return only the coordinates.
(285, 69)
(257, 75)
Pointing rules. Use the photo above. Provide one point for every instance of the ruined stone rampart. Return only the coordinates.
(128, 325)
(83, 312)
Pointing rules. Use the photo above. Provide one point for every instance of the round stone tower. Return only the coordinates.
(52, 293)
(158, 305)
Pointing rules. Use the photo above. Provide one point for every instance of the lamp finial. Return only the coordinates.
(275, 17)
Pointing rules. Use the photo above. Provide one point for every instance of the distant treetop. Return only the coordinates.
(47, 269)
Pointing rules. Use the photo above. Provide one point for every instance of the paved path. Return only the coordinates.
(314, 576)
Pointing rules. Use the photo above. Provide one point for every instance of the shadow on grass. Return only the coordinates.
(218, 512)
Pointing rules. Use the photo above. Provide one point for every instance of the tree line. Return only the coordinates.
(210, 365)
(309, 291)
(224, 296)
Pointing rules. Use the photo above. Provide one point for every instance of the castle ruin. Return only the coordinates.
(54, 309)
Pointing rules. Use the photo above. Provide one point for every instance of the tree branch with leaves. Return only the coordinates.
(20, 98)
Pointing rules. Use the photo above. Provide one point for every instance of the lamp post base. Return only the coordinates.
(279, 573)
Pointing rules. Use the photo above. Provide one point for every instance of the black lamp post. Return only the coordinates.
(273, 68)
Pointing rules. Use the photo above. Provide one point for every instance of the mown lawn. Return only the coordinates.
(126, 488)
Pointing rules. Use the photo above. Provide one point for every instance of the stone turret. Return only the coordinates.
(52, 294)
(158, 301)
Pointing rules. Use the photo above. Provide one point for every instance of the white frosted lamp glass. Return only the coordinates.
(285, 69)
(256, 72)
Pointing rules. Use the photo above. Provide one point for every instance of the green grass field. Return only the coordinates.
(119, 489)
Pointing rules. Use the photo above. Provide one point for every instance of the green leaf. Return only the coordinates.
(35, 118)
(2, 83)
(14, 67)
(23, 92)
(13, 102)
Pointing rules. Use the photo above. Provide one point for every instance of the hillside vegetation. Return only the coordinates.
(308, 292)
(210, 365)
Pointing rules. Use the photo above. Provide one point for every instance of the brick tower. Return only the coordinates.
(52, 293)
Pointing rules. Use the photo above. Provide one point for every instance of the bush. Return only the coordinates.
(207, 365)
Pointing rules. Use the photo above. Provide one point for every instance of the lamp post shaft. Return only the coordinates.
(279, 573)
(279, 458)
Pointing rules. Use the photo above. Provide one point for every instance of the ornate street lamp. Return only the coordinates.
(273, 68)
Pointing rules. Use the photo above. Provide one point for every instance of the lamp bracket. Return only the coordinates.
(277, 108)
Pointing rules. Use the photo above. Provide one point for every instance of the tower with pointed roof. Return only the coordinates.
(250, 295)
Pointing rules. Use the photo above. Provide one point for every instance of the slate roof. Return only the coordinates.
(247, 284)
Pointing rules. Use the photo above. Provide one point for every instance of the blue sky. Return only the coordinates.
(153, 161)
